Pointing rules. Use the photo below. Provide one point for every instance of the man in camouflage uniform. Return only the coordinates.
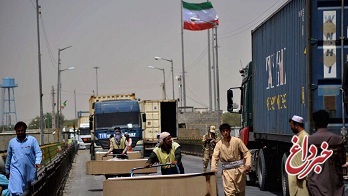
(209, 140)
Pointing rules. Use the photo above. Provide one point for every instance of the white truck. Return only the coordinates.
(161, 116)
(83, 131)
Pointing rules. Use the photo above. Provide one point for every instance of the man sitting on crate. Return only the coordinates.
(167, 152)
(117, 143)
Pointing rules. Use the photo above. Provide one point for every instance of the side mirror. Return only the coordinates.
(90, 122)
(143, 115)
(229, 100)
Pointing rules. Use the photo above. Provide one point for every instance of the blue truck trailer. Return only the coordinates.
(110, 111)
(298, 66)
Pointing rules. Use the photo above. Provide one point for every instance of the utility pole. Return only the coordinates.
(40, 77)
(53, 113)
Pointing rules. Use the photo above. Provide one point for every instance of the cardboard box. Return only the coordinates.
(169, 185)
(134, 155)
(117, 166)
(99, 156)
(131, 155)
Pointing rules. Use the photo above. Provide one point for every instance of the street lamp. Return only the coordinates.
(169, 60)
(59, 88)
(60, 96)
(96, 76)
(180, 89)
(164, 96)
(194, 19)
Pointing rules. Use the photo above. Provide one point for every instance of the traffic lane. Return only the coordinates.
(80, 184)
(194, 164)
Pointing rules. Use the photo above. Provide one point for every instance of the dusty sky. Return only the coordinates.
(122, 38)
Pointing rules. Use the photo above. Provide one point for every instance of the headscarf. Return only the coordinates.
(118, 136)
(163, 136)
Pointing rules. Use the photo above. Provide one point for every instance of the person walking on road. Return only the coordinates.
(168, 152)
(235, 161)
(297, 187)
(330, 180)
(209, 141)
(23, 158)
(117, 143)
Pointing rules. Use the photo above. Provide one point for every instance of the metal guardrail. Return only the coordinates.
(56, 162)
(191, 146)
(52, 177)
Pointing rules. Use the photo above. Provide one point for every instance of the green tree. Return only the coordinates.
(35, 123)
(231, 118)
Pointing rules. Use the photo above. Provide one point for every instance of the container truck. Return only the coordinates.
(161, 116)
(298, 67)
(110, 111)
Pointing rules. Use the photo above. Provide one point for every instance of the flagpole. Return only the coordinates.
(209, 73)
(214, 68)
(182, 57)
(217, 69)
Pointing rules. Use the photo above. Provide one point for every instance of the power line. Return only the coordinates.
(47, 42)
(248, 25)
(198, 59)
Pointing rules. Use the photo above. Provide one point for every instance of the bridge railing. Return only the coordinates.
(192, 146)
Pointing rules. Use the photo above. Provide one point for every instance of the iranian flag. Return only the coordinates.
(199, 16)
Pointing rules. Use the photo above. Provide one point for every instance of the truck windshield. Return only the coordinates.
(116, 119)
(85, 131)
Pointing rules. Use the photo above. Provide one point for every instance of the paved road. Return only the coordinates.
(80, 184)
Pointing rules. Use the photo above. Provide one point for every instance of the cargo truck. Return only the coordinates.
(110, 111)
(298, 67)
(83, 131)
(161, 116)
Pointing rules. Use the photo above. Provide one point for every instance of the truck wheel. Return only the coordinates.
(285, 182)
(264, 167)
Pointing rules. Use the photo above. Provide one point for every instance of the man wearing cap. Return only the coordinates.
(297, 186)
(168, 152)
(117, 143)
(209, 141)
(235, 161)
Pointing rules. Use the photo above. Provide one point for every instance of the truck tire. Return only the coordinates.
(285, 182)
(265, 174)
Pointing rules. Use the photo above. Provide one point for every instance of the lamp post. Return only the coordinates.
(216, 61)
(58, 89)
(169, 60)
(96, 77)
(59, 92)
(164, 81)
(60, 99)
